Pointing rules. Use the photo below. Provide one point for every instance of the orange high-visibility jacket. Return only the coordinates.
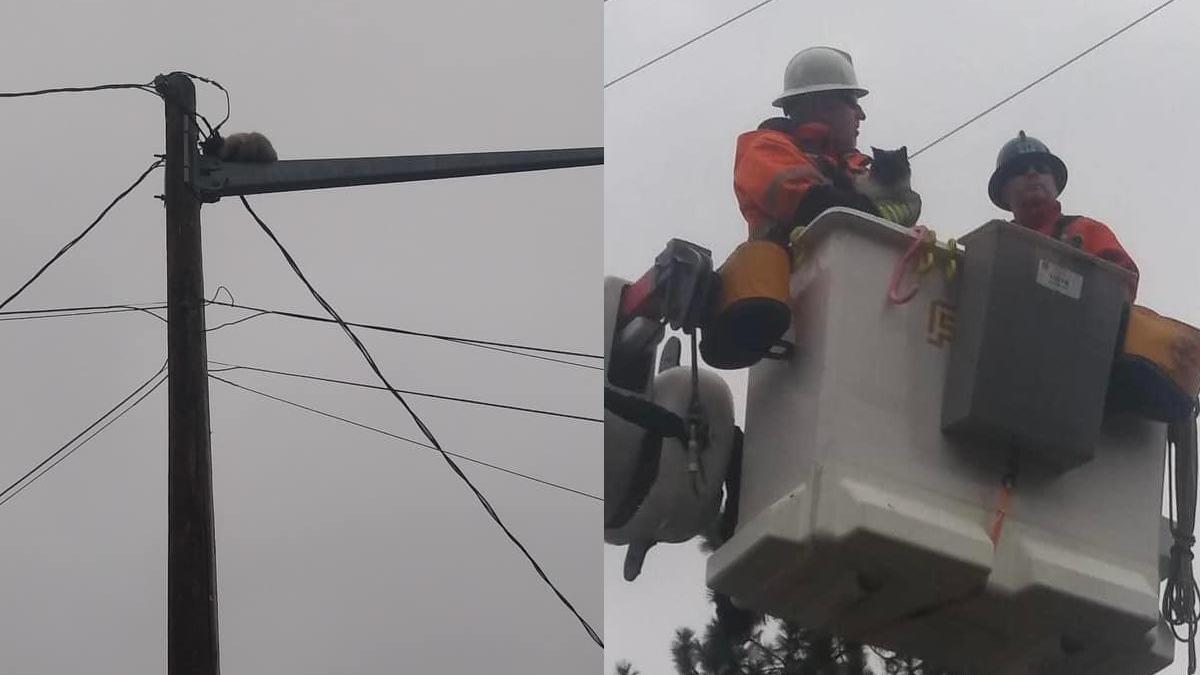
(1086, 234)
(785, 174)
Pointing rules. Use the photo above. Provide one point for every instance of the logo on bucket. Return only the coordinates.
(940, 329)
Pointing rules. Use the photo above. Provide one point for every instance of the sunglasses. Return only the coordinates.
(1038, 165)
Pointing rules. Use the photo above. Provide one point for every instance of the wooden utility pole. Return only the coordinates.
(190, 178)
(191, 555)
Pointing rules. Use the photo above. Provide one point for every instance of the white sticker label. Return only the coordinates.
(1059, 279)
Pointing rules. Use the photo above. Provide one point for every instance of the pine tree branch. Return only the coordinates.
(683, 651)
(769, 652)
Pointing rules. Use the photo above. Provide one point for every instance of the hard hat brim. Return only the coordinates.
(800, 91)
(1005, 171)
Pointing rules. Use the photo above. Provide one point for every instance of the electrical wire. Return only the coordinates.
(401, 331)
(160, 84)
(76, 240)
(421, 425)
(231, 299)
(61, 312)
(218, 292)
(95, 433)
(463, 341)
(405, 439)
(234, 323)
(13, 490)
(532, 356)
(699, 37)
(953, 131)
(1038, 81)
(147, 87)
(489, 404)
(216, 129)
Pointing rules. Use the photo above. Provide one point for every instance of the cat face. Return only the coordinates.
(896, 158)
(890, 165)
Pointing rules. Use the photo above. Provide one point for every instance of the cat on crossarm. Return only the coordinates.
(249, 147)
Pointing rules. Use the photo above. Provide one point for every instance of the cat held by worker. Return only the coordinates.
(888, 184)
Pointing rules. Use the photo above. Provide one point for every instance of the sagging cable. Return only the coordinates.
(1179, 605)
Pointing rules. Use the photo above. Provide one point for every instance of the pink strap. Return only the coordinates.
(902, 264)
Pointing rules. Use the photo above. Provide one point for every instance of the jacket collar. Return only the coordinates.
(1042, 220)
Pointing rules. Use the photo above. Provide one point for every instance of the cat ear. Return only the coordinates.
(903, 151)
(875, 150)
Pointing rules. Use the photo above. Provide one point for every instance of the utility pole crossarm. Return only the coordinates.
(215, 179)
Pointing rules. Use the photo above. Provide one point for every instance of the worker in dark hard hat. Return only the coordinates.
(791, 168)
(1027, 182)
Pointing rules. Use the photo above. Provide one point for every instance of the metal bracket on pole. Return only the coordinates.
(214, 179)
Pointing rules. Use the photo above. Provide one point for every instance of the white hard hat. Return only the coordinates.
(818, 69)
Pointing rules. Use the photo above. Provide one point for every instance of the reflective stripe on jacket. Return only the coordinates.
(785, 174)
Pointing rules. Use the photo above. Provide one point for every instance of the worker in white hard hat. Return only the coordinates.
(1027, 182)
(791, 168)
(785, 173)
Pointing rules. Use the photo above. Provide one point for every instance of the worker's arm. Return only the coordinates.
(1097, 239)
(781, 181)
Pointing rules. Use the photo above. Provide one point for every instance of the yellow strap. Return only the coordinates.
(793, 239)
(952, 261)
(927, 260)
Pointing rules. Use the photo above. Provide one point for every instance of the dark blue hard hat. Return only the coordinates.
(1015, 157)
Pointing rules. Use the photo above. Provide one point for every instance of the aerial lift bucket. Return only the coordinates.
(859, 516)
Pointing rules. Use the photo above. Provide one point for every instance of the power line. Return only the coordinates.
(699, 37)
(85, 441)
(217, 129)
(406, 440)
(396, 330)
(532, 356)
(196, 116)
(76, 240)
(234, 323)
(420, 424)
(959, 127)
(62, 312)
(1038, 81)
(535, 411)
(148, 87)
(6, 496)
(82, 310)
(401, 331)
(227, 292)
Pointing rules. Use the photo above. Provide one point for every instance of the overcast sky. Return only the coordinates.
(339, 550)
(1121, 118)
